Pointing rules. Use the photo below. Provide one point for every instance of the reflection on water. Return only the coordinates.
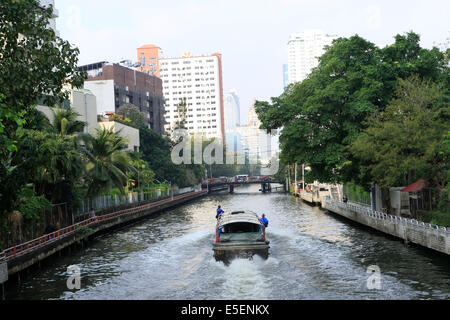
(313, 255)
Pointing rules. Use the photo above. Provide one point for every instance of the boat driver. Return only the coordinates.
(219, 212)
(264, 221)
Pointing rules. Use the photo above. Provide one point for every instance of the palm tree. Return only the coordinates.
(107, 162)
(65, 121)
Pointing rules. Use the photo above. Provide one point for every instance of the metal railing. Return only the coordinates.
(384, 216)
(37, 243)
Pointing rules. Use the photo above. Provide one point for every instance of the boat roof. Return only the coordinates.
(239, 216)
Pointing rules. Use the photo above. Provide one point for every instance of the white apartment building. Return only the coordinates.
(52, 22)
(304, 49)
(199, 81)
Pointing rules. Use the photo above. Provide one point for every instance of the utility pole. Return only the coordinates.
(295, 188)
(289, 178)
(303, 175)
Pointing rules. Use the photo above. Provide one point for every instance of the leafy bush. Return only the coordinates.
(84, 230)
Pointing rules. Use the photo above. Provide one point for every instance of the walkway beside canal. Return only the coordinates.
(18, 258)
(424, 234)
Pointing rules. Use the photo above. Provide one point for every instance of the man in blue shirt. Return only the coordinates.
(264, 221)
(219, 212)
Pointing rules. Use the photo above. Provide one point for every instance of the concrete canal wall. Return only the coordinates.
(423, 234)
(16, 259)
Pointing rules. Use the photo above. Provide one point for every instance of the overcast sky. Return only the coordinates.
(252, 35)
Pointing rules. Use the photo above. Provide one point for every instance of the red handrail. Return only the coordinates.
(62, 233)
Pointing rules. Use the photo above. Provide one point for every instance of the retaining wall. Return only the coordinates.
(424, 234)
(61, 239)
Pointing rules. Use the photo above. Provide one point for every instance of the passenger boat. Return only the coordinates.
(240, 234)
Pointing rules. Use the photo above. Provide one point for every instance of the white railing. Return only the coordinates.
(328, 202)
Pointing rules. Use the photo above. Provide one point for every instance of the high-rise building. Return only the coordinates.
(148, 59)
(285, 75)
(115, 85)
(197, 82)
(304, 49)
(232, 110)
(256, 143)
(45, 4)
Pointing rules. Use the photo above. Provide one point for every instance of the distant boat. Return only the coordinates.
(240, 234)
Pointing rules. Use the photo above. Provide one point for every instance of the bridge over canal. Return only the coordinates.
(226, 183)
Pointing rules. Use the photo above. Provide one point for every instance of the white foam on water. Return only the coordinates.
(244, 280)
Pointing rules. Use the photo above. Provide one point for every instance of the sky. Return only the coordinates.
(251, 35)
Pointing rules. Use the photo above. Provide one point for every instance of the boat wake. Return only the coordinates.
(244, 279)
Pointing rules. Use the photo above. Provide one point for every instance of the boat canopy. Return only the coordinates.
(239, 217)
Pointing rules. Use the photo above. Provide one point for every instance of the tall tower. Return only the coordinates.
(304, 49)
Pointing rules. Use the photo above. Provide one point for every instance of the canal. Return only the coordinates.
(313, 255)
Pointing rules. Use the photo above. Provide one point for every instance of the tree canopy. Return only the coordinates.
(323, 115)
(34, 65)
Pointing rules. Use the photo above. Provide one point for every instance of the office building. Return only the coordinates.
(304, 49)
(197, 82)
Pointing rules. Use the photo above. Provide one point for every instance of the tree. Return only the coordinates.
(132, 112)
(48, 161)
(107, 163)
(404, 142)
(65, 121)
(34, 63)
(324, 114)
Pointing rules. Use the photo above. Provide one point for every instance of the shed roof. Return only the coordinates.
(415, 187)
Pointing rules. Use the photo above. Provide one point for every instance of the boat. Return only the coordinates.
(240, 234)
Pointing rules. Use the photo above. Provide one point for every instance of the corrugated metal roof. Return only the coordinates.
(242, 216)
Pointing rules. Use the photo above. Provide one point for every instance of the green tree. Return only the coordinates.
(50, 162)
(34, 63)
(132, 112)
(324, 114)
(107, 163)
(404, 143)
(65, 121)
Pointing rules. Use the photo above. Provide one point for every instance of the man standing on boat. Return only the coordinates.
(219, 212)
(264, 221)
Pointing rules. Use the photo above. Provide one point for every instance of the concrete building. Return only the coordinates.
(83, 102)
(129, 133)
(117, 84)
(148, 59)
(198, 81)
(304, 49)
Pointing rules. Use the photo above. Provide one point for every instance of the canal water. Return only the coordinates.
(313, 255)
